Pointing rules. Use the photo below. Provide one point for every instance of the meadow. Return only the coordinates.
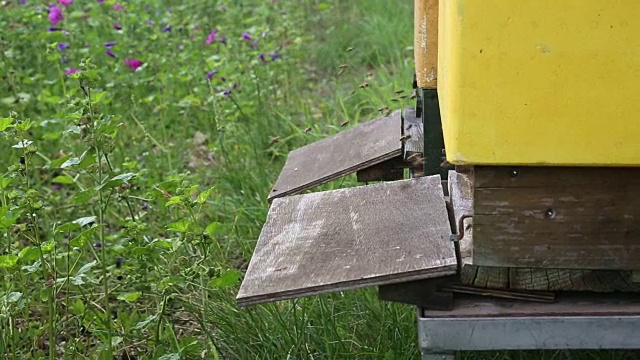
(139, 140)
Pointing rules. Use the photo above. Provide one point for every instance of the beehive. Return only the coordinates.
(540, 82)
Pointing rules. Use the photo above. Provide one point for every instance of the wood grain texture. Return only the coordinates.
(564, 305)
(364, 145)
(349, 238)
(426, 43)
(461, 190)
(572, 218)
(412, 126)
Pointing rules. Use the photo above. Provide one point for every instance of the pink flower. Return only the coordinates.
(117, 26)
(65, 2)
(212, 37)
(70, 71)
(117, 7)
(55, 15)
(133, 64)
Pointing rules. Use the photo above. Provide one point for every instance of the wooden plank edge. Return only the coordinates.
(347, 285)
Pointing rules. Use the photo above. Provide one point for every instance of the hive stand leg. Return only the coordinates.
(438, 356)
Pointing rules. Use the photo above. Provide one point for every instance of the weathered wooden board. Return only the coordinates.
(426, 43)
(546, 279)
(565, 305)
(412, 126)
(571, 218)
(350, 238)
(364, 145)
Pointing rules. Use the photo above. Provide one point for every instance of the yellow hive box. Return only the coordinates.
(542, 82)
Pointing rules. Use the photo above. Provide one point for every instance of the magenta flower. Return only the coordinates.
(211, 37)
(117, 26)
(117, 7)
(100, 1)
(65, 2)
(55, 15)
(133, 64)
(70, 71)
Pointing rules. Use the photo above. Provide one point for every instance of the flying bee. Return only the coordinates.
(399, 91)
(349, 49)
(307, 129)
(342, 66)
(364, 85)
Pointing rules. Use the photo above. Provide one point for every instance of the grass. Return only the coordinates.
(130, 201)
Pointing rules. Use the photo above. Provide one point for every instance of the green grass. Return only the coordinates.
(127, 223)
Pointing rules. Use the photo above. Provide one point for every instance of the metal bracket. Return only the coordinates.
(460, 235)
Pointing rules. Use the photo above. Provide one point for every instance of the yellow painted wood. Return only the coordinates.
(425, 47)
(540, 82)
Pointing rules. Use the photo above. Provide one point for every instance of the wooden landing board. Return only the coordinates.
(364, 145)
(350, 238)
(547, 217)
(539, 279)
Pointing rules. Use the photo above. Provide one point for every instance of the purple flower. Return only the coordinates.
(166, 28)
(65, 2)
(133, 64)
(262, 57)
(227, 92)
(100, 1)
(246, 36)
(62, 46)
(117, 26)
(55, 15)
(150, 22)
(110, 53)
(97, 245)
(274, 56)
(23, 2)
(70, 71)
(52, 29)
(211, 37)
(117, 7)
(211, 73)
(110, 44)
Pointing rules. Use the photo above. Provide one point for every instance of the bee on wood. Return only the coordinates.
(405, 138)
(413, 95)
